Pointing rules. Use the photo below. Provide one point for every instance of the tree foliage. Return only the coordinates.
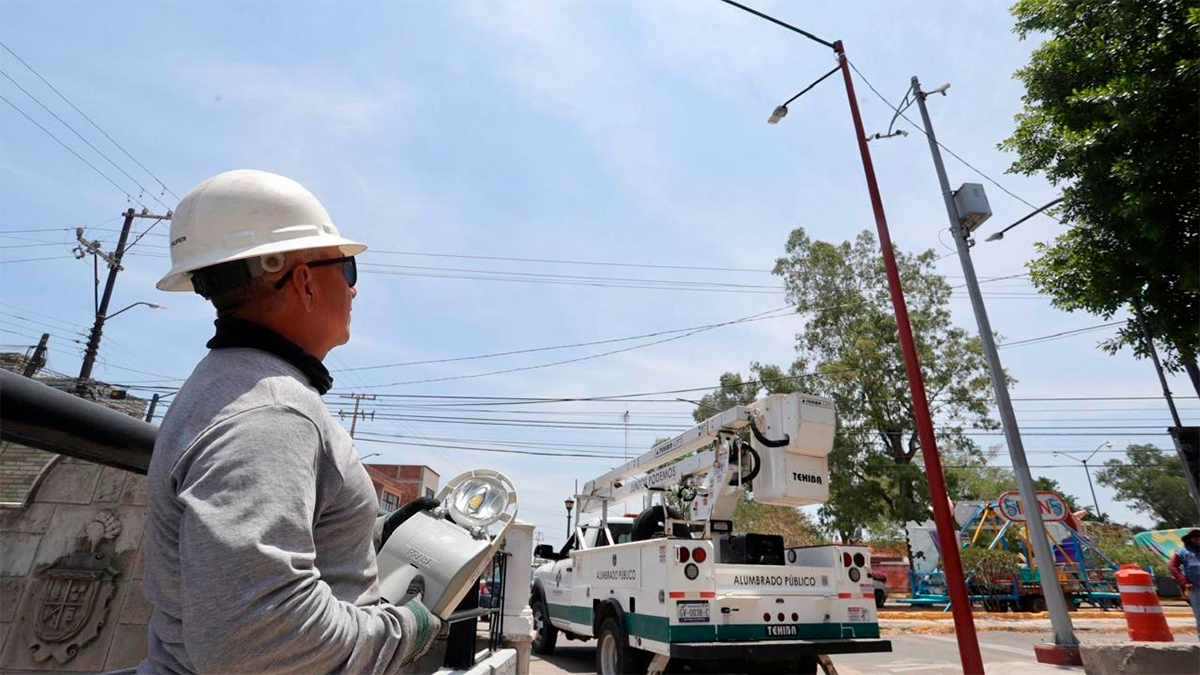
(849, 351)
(1112, 115)
(1153, 481)
(796, 527)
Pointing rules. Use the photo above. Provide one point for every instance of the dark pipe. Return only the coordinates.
(38, 416)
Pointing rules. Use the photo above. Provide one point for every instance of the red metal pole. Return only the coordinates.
(960, 604)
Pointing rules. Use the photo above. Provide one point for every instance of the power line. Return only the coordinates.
(89, 119)
(86, 141)
(72, 151)
(950, 152)
(531, 350)
(25, 260)
(1057, 336)
(554, 261)
(752, 317)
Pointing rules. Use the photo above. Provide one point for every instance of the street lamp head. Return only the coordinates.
(570, 504)
(154, 306)
(780, 113)
(995, 237)
(941, 90)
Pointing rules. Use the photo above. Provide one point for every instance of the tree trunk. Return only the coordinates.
(1193, 372)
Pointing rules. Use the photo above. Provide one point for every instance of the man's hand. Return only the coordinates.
(427, 628)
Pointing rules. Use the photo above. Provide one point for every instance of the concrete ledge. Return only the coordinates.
(1141, 658)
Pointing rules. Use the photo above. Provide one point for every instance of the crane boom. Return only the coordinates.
(789, 430)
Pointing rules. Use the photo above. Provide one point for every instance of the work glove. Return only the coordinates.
(395, 519)
(423, 630)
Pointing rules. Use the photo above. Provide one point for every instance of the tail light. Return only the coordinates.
(699, 554)
(681, 554)
(859, 560)
(846, 559)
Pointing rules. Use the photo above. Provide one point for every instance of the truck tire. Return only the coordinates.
(545, 634)
(649, 525)
(614, 656)
(1033, 603)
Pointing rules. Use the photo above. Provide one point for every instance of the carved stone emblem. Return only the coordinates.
(75, 593)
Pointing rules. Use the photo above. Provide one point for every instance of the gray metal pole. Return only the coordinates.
(1095, 501)
(1064, 634)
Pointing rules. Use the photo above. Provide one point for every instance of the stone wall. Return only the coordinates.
(70, 572)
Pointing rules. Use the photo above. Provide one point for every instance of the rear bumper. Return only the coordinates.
(775, 649)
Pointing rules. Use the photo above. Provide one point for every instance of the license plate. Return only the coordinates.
(693, 612)
(783, 631)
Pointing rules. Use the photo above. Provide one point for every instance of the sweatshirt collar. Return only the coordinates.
(235, 332)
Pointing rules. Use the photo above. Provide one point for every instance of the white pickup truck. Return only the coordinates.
(720, 600)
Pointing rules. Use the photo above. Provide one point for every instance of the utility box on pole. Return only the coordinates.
(972, 205)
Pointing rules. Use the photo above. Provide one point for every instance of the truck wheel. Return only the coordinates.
(545, 634)
(880, 598)
(614, 656)
(1033, 603)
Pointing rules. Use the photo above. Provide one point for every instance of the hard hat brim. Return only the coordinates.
(179, 278)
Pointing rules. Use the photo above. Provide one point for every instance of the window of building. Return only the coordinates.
(390, 502)
(429, 492)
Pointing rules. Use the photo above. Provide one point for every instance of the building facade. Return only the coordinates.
(399, 484)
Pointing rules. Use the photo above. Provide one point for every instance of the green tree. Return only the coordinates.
(849, 351)
(1153, 481)
(1112, 115)
(796, 527)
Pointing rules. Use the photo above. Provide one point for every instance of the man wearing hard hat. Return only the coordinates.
(259, 547)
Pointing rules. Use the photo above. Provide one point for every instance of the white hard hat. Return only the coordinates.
(237, 215)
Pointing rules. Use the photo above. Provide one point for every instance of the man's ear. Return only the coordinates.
(306, 287)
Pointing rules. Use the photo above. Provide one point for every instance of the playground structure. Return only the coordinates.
(1086, 575)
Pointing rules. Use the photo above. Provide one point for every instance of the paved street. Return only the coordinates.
(1004, 653)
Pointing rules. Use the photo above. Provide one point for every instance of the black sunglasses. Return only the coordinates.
(349, 269)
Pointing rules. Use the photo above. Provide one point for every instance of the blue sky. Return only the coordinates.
(590, 131)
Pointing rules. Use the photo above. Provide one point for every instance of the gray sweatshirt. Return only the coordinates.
(259, 551)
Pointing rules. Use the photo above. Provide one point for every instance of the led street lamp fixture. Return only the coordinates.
(448, 546)
(780, 113)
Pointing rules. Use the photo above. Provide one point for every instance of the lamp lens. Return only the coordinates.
(478, 502)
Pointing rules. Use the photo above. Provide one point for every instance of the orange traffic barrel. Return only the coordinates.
(1143, 614)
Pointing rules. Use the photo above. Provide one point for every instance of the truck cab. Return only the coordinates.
(553, 581)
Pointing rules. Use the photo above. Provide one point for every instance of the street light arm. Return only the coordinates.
(805, 90)
(151, 305)
(1000, 235)
(1104, 444)
(777, 22)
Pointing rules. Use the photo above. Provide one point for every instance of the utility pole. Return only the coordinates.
(358, 398)
(956, 586)
(153, 404)
(38, 359)
(114, 267)
(1066, 647)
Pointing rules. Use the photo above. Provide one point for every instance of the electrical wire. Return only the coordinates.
(593, 343)
(25, 260)
(950, 152)
(86, 141)
(72, 151)
(89, 119)
(588, 357)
